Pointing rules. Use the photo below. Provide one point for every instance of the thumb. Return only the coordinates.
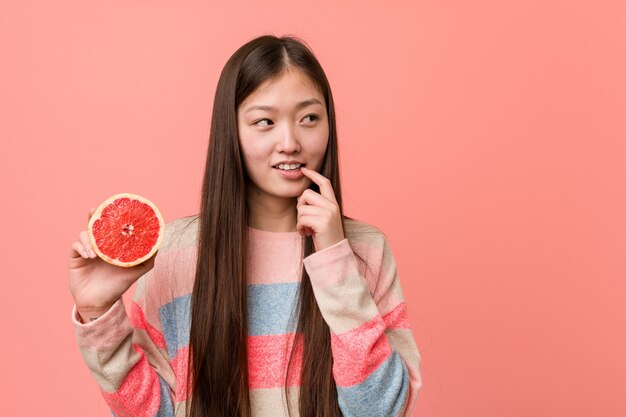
(148, 264)
(91, 211)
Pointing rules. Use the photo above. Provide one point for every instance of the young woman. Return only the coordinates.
(271, 301)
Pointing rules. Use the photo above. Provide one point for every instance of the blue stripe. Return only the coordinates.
(270, 308)
(176, 321)
(382, 394)
(166, 407)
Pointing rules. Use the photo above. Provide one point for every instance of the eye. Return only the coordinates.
(258, 122)
(313, 117)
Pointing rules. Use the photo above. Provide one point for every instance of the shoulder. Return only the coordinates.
(174, 266)
(178, 250)
(180, 233)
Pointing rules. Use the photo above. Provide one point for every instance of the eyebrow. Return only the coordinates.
(299, 106)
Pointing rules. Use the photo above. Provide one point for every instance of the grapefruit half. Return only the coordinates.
(126, 229)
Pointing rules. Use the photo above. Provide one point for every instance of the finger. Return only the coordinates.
(307, 210)
(310, 197)
(84, 239)
(306, 231)
(150, 262)
(326, 188)
(306, 223)
(78, 251)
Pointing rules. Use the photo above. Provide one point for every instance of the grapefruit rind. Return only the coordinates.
(98, 213)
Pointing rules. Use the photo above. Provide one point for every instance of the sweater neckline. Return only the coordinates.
(266, 234)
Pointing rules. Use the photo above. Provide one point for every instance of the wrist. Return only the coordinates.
(325, 244)
(89, 314)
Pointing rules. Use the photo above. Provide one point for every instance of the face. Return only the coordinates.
(284, 121)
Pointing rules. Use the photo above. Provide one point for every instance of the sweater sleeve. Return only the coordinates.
(375, 358)
(127, 357)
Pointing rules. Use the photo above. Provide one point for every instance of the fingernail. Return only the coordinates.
(93, 254)
(85, 254)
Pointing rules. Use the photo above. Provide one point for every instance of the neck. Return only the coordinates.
(273, 214)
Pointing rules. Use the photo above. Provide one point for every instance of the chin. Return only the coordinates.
(293, 194)
(290, 192)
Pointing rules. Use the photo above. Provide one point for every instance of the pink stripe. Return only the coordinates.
(179, 365)
(140, 391)
(266, 253)
(139, 321)
(178, 262)
(267, 363)
(268, 357)
(381, 273)
(397, 318)
(359, 352)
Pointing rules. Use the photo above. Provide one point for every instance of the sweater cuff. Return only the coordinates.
(106, 331)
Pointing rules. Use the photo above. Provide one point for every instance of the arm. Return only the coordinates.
(126, 356)
(375, 359)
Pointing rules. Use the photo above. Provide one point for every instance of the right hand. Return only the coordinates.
(95, 284)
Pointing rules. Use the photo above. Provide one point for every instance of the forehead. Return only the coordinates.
(292, 85)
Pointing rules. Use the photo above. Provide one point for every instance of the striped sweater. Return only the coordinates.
(139, 359)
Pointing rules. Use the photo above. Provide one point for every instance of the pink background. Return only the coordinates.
(486, 138)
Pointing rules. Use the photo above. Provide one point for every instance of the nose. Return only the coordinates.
(288, 140)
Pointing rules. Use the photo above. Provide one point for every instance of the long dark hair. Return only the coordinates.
(217, 384)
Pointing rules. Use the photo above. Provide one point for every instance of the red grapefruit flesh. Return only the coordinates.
(126, 230)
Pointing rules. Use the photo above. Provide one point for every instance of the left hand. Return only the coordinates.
(319, 214)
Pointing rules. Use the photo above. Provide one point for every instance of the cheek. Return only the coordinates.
(254, 154)
(319, 144)
(249, 161)
(254, 157)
